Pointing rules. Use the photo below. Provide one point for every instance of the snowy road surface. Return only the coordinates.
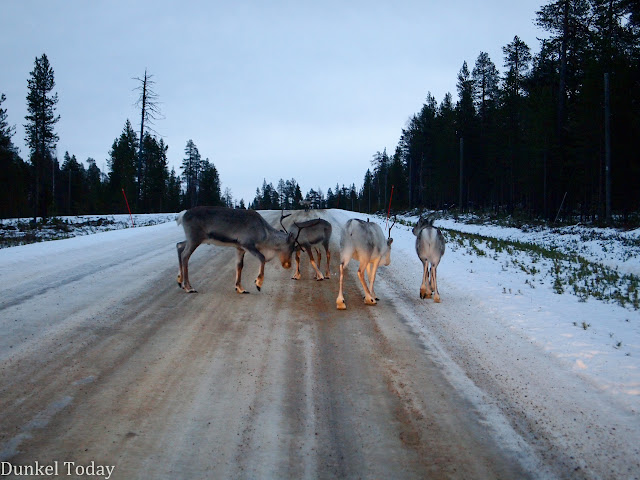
(104, 361)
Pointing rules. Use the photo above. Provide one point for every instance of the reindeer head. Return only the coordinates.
(424, 222)
(292, 243)
(386, 257)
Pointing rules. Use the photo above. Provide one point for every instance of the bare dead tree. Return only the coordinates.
(150, 112)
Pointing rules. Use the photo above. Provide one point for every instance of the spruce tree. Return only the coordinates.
(14, 176)
(40, 135)
(191, 167)
(209, 184)
(122, 161)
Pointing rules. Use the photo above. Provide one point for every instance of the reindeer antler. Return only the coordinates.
(395, 219)
(296, 239)
(282, 217)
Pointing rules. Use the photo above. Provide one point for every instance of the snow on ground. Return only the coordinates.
(608, 246)
(20, 231)
(597, 340)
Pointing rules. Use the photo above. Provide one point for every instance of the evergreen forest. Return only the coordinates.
(546, 130)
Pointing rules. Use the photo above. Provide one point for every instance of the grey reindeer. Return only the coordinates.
(245, 230)
(430, 246)
(364, 242)
(311, 233)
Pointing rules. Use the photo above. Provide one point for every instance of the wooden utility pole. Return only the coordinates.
(607, 148)
(461, 172)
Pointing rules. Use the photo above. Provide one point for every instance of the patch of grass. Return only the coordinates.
(569, 272)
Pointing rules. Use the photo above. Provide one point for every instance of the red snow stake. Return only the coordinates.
(389, 210)
(127, 202)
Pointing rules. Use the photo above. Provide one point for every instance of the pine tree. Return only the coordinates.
(72, 184)
(367, 190)
(227, 198)
(14, 173)
(95, 201)
(6, 130)
(465, 121)
(191, 166)
(122, 162)
(40, 136)
(174, 191)
(485, 82)
(155, 174)
(209, 184)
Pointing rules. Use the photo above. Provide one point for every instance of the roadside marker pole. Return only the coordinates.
(127, 202)
(389, 210)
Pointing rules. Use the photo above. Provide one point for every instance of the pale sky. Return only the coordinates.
(281, 89)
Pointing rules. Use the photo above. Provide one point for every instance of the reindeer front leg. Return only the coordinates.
(340, 305)
(309, 250)
(372, 276)
(239, 264)
(368, 298)
(296, 275)
(260, 256)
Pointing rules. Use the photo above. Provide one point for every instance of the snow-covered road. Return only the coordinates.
(104, 359)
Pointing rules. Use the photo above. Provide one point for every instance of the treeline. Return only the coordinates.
(137, 174)
(555, 132)
(534, 138)
(288, 196)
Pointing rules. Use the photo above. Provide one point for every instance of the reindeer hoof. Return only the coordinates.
(436, 299)
(341, 306)
(191, 290)
(370, 301)
(256, 287)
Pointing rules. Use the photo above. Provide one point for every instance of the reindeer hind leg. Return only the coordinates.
(425, 274)
(328, 252)
(436, 294)
(184, 260)
(239, 264)
(180, 248)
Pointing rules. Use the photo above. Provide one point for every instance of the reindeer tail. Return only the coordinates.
(179, 217)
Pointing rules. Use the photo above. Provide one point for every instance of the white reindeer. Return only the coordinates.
(364, 242)
(430, 249)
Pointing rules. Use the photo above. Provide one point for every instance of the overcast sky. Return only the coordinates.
(280, 89)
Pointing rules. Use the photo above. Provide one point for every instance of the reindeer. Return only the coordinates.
(430, 249)
(317, 231)
(365, 242)
(245, 230)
